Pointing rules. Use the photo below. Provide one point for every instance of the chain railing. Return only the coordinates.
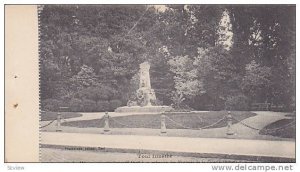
(271, 129)
(283, 127)
(244, 124)
(229, 119)
(48, 124)
(181, 125)
(170, 119)
(213, 124)
(280, 128)
(58, 119)
(200, 128)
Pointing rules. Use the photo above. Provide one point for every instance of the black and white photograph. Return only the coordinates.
(174, 83)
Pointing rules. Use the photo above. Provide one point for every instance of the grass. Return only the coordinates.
(191, 120)
(286, 132)
(48, 116)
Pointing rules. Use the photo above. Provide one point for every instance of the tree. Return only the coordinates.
(256, 81)
(216, 53)
(186, 81)
(266, 34)
(216, 70)
(86, 77)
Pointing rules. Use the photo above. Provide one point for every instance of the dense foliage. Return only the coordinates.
(200, 55)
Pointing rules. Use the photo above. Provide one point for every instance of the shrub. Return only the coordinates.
(237, 102)
(88, 105)
(97, 93)
(114, 104)
(103, 106)
(50, 104)
(75, 105)
(156, 102)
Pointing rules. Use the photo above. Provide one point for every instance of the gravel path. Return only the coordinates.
(244, 147)
(61, 155)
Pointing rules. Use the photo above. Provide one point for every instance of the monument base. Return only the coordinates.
(144, 109)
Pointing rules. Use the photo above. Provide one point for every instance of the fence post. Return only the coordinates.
(106, 123)
(163, 129)
(58, 124)
(229, 131)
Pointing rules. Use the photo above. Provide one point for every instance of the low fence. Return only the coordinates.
(163, 129)
(268, 107)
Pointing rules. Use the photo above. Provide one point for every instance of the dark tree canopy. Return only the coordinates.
(90, 55)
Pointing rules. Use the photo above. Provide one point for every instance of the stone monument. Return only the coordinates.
(145, 95)
(145, 92)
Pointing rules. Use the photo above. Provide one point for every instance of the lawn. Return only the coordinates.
(191, 120)
(287, 131)
(48, 116)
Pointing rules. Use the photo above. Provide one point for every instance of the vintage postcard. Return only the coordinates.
(161, 83)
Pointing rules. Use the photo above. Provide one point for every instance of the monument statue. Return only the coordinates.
(145, 95)
(145, 92)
